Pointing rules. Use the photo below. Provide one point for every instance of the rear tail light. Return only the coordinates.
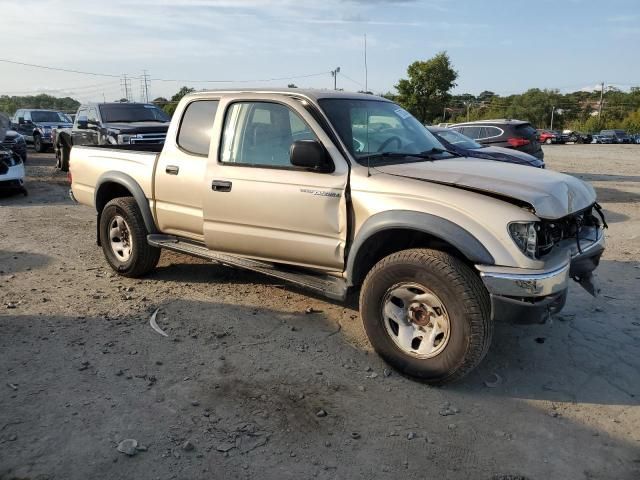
(518, 142)
(69, 178)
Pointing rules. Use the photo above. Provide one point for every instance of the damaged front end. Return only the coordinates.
(570, 247)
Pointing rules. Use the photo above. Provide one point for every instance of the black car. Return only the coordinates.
(15, 142)
(616, 136)
(36, 125)
(514, 134)
(112, 124)
(465, 146)
(578, 137)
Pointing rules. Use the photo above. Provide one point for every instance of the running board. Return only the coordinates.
(331, 287)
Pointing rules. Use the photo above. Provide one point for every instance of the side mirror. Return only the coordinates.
(83, 123)
(309, 154)
(20, 120)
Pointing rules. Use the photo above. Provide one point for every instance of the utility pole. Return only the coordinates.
(145, 86)
(468, 105)
(334, 74)
(126, 87)
(366, 72)
(600, 107)
(553, 108)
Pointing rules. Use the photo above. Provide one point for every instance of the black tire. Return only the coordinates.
(462, 294)
(38, 146)
(62, 158)
(143, 258)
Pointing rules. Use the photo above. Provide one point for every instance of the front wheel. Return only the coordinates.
(38, 146)
(547, 141)
(427, 314)
(62, 158)
(123, 236)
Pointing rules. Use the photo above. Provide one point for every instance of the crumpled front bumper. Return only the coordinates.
(528, 296)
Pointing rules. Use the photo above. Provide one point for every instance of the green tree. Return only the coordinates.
(9, 104)
(171, 106)
(426, 90)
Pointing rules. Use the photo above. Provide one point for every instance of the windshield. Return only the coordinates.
(369, 127)
(457, 139)
(49, 117)
(128, 112)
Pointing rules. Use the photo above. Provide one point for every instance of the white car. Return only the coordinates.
(11, 172)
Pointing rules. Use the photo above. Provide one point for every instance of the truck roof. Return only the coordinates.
(313, 94)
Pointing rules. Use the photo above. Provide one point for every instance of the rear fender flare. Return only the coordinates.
(134, 188)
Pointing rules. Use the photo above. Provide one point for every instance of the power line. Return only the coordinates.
(81, 72)
(68, 70)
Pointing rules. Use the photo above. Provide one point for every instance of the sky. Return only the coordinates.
(502, 46)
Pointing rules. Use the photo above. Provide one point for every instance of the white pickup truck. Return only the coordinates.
(338, 192)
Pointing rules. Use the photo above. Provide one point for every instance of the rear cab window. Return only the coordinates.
(196, 125)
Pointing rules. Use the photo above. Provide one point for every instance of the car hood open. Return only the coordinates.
(551, 194)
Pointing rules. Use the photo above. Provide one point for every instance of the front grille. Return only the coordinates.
(9, 142)
(572, 227)
(149, 138)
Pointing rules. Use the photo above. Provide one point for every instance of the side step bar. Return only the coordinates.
(331, 287)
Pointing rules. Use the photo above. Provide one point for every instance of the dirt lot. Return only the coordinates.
(234, 390)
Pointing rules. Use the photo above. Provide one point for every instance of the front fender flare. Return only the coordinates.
(433, 225)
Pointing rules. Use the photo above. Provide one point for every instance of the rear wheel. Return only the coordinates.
(123, 236)
(427, 313)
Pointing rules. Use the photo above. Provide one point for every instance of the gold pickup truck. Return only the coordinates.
(336, 192)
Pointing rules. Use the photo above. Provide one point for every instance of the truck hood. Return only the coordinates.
(551, 194)
(137, 127)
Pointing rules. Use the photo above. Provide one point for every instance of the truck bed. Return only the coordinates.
(88, 164)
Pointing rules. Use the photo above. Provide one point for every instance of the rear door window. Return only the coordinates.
(196, 127)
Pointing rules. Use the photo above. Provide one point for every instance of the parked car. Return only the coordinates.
(35, 125)
(11, 166)
(466, 147)
(548, 137)
(636, 138)
(112, 124)
(515, 134)
(16, 143)
(616, 136)
(597, 138)
(577, 137)
(337, 191)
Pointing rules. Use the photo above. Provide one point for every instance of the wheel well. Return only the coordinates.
(386, 242)
(108, 191)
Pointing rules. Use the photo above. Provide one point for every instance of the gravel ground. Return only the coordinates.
(248, 385)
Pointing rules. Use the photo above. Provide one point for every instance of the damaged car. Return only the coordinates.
(340, 192)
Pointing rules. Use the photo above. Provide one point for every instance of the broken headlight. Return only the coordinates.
(525, 236)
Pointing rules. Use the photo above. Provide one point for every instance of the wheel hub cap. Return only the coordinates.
(416, 320)
(120, 238)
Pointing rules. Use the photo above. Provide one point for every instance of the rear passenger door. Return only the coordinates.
(181, 169)
(261, 206)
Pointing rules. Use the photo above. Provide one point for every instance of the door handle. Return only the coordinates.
(221, 186)
(172, 169)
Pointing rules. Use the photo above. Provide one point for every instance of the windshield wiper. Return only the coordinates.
(426, 155)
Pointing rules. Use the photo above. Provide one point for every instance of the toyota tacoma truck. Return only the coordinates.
(136, 124)
(337, 192)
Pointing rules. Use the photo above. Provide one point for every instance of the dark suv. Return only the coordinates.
(36, 125)
(516, 134)
(616, 136)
